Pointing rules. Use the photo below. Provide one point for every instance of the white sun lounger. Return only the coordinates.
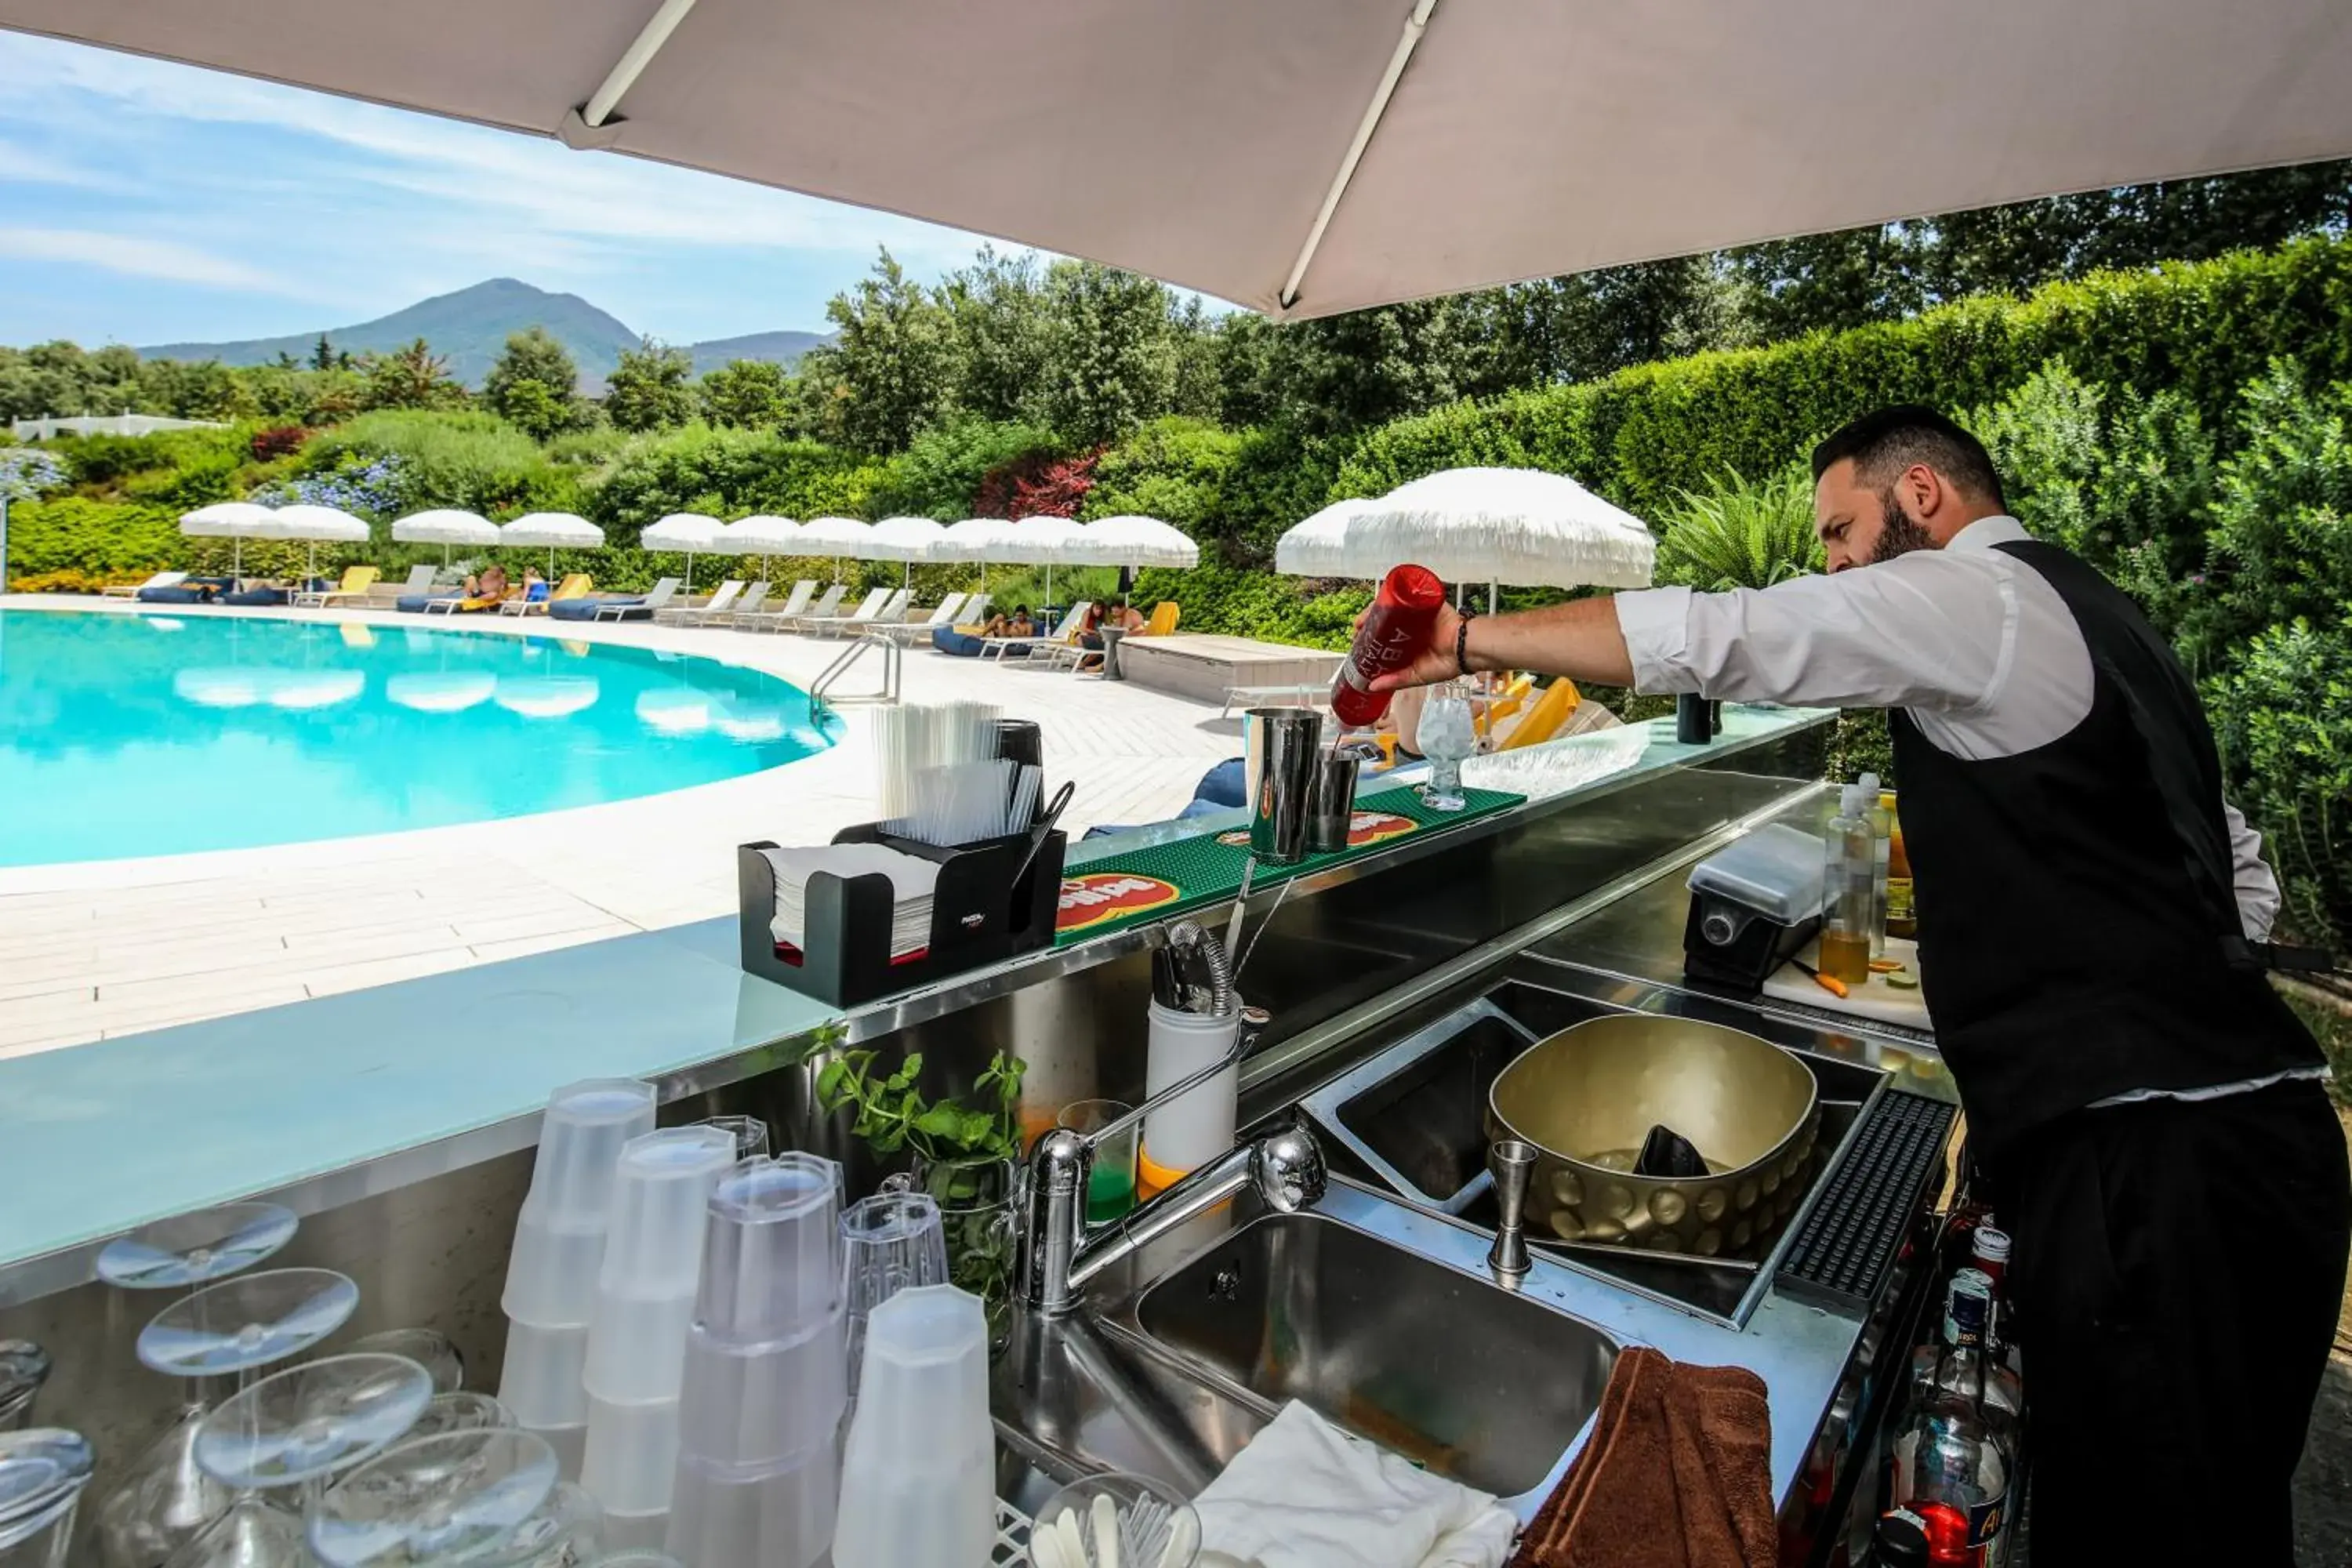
(1051, 642)
(656, 602)
(822, 610)
(861, 621)
(132, 590)
(721, 603)
(816, 621)
(795, 603)
(920, 631)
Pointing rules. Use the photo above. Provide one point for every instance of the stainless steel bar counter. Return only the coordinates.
(399, 1123)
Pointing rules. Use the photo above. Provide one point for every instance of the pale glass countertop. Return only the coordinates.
(97, 1139)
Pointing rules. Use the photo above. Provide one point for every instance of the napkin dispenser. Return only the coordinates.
(1754, 905)
(981, 914)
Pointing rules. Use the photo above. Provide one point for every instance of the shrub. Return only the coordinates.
(1741, 533)
(726, 473)
(471, 460)
(1173, 468)
(2199, 331)
(1039, 485)
(277, 441)
(104, 541)
(2281, 515)
(941, 473)
(2283, 719)
(1241, 602)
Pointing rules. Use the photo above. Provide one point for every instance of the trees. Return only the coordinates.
(749, 394)
(998, 336)
(888, 372)
(1111, 361)
(323, 356)
(534, 385)
(649, 389)
(412, 376)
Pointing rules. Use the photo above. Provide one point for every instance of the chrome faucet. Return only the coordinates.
(1060, 1252)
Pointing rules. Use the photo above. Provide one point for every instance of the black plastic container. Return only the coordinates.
(980, 915)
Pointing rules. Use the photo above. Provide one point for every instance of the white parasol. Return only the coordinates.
(1133, 540)
(1318, 546)
(905, 539)
(232, 520)
(315, 525)
(1040, 542)
(444, 527)
(1502, 525)
(971, 539)
(555, 529)
(689, 531)
(837, 537)
(763, 536)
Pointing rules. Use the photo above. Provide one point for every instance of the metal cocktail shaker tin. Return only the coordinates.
(1283, 748)
(1335, 805)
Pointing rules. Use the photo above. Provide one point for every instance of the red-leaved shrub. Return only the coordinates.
(1036, 486)
(279, 441)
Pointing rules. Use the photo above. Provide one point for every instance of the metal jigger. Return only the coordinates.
(1512, 1162)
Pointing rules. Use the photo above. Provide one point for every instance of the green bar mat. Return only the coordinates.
(1166, 880)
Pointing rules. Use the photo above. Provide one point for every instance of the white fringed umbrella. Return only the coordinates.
(1502, 525)
(760, 535)
(446, 527)
(1318, 546)
(689, 531)
(1132, 540)
(905, 539)
(314, 526)
(237, 520)
(971, 539)
(1040, 542)
(555, 529)
(837, 537)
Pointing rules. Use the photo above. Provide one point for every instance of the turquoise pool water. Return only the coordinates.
(142, 734)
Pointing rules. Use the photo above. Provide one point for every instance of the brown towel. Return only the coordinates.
(1678, 1474)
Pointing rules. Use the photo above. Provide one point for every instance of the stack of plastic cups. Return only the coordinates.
(918, 1479)
(767, 1372)
(644, 1304)
(559, 1246)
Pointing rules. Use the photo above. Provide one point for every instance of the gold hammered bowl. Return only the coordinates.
(1587, 1097)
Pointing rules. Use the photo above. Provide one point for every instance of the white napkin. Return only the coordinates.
(912, 880)
(1305, 1494)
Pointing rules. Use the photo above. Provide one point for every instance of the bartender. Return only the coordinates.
(2093, 926)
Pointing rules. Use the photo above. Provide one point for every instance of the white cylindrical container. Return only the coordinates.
(1198, 1126)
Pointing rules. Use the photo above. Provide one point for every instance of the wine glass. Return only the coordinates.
(240, 1324)
(1446, 737)
(428, 1348)
(459, 1498)
(42, 1472)
(164, 1500)
(458, 1411)
(289, 1433)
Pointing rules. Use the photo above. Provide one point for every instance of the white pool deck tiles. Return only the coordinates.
(97, 948)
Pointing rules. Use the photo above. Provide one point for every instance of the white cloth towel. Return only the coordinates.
(1305, 1494)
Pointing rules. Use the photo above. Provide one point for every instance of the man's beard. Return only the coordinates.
(1901, 534)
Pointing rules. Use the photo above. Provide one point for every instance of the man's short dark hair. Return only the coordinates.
(1884, 444)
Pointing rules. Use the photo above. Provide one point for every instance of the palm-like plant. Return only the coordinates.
(1739, 533)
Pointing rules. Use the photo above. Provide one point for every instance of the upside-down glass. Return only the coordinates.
(164, 1500)
(428, 1348)
(896, 1240)
(42, 1472)
(459, 1498)
(289, 1434)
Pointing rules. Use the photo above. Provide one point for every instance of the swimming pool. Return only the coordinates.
(140, 735)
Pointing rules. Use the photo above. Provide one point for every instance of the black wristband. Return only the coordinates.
(1461, 646)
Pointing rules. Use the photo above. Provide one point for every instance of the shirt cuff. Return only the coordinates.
(1655, 622)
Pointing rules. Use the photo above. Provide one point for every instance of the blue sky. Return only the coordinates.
(142, 202)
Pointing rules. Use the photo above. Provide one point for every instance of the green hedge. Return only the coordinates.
(2200, 331)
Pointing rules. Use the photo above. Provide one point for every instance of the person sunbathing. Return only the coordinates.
(1123, 616)
(486, 591)
(1017, 625)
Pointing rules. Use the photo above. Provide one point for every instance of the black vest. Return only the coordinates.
(2078, 937)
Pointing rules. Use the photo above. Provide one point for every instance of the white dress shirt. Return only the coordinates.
(1971, 642)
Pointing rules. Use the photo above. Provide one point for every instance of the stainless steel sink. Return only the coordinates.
(1447, 1370)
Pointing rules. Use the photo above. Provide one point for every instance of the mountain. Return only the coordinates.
(470, 327)
(782, 348)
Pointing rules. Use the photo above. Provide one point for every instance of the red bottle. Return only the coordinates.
(1395, 631)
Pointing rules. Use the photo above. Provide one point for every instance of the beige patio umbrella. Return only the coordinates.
(1314, 156)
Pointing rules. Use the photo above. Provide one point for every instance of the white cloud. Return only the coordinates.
(137, 256)
(528, 184)
(23, 166)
